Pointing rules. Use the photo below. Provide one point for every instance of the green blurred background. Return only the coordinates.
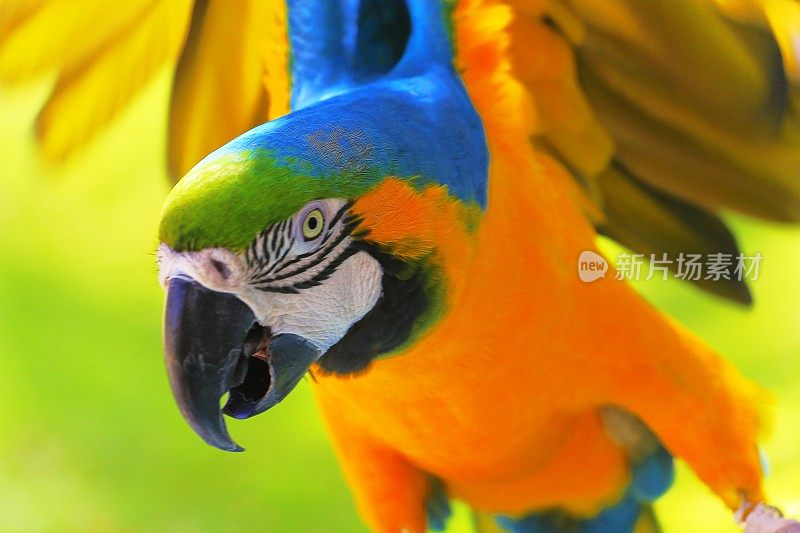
(90, 439)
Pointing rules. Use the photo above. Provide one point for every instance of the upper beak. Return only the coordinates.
(213, 344)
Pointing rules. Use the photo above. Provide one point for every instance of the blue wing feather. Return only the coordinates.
(336, 46)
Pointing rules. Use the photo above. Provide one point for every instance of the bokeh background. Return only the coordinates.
(90, 439)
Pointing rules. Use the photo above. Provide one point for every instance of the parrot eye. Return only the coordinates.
(313, 224)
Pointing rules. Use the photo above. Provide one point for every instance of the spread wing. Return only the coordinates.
(230, 63)
(668, 112)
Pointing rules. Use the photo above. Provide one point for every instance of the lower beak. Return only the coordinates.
(213, 345)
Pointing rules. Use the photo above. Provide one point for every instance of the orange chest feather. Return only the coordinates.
(489, 376)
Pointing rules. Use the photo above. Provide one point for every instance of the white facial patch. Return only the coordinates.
(322, 314)
(304, 275)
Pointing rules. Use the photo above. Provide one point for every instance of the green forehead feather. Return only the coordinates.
(227, 201)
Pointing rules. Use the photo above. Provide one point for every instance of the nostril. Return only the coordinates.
(222, 268)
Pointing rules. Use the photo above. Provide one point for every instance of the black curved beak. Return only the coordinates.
(213, 345)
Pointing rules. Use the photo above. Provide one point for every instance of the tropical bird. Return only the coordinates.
(395, 201)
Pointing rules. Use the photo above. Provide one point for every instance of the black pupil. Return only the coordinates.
(312, 223)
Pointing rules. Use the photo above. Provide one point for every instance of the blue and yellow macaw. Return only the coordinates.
(398, 205)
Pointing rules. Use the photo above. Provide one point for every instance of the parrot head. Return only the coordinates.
(301, 243)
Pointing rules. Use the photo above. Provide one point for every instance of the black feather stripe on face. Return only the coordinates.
(318, 257)
(406, 295)
(391, 322)
(269, 260)
(329, 269)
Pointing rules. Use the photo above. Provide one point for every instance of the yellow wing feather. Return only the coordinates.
(688, 105)
(231, 57)
(276, 63)
(675, 90)
(566, 121)
(781, 16)
(218, 91)
(15, 12)
(60, 34)
(90, 93)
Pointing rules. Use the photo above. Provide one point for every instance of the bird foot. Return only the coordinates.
(762, 518)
